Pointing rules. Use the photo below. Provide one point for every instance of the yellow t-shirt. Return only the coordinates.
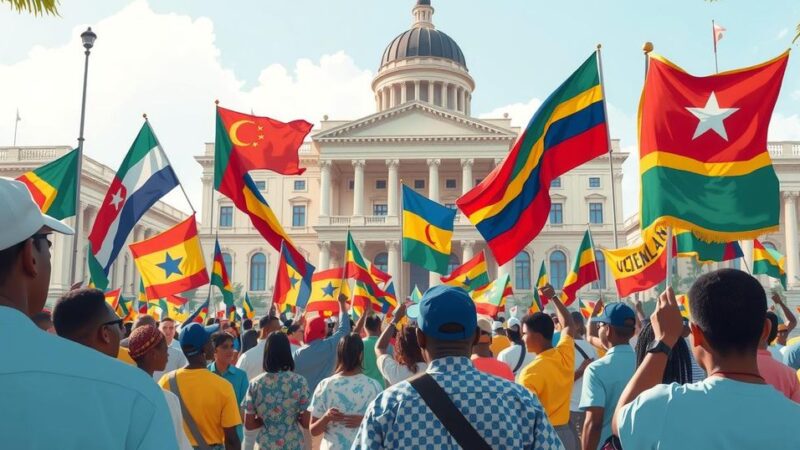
(550, 376)
(210, 400)
(499, 343)
(125, 356)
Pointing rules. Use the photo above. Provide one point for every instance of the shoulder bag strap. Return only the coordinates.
(580, 350)
(190, 423)
(522, 352)
(446, 411)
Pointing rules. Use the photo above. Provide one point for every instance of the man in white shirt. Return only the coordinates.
(175, 356)
(513, 356)
(585, 353)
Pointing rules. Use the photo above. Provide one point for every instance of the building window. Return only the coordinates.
(556, 213)
(299, 215)
(380, 209)
(226, 259)
(300, 185)
(380, 184)
(419, 184)
(558, 269)
(261, 185)
(478, 181)
(556, 183)
(453, 264)
(381, 261)
(225, 216)
(601, 270)
(595, 213)
(258, 272)
(451, 206)
(594, 182)
(351, 185)
(522, 271)
(450, 183)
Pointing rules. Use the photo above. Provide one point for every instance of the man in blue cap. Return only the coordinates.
(605, 379)
(208, 402)
(453, 405)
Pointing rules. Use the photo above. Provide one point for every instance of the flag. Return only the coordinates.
(144, 176)
(219, 275)
(469, 276)
(112, 298)
(584, 270)
(416, 295)
(325, 289)
(389, 298)
(718, 33)
(247, 308)
(491, 299)
(363, 300)
(511, 205)
(292, 281)
(125, 310)
(427, 231)
(541, 281)
(355, 266)
(703, 150)
(536, 306)
(769, 262)
(586, 308)
(231, 314)
(380, 277)
(641, 266)
(247, 142)
(53, 185)
(683, 306)
(171, 262)
(199, 315)
(688, 244)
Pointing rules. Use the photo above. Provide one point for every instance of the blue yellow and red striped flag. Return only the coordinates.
(769, 262)
(427, 231)
(469, 276)
(199, 315)
(293, 280)
(584, 270)
(219, 275)
(511, 205)
(325, 289)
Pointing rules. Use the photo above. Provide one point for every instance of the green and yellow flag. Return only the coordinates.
(769, 262)
(427, 231)
(52, 186)
(541, 281)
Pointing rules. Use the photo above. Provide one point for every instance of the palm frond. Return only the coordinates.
(37, 7)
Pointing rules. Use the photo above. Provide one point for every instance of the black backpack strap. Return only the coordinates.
(522, 352)
(446, 411)
(580, 350)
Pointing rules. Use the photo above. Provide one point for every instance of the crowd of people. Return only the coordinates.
(450, 378)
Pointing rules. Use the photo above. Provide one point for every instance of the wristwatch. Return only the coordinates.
(659, 347)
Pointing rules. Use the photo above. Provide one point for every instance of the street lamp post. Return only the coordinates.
(87, 37)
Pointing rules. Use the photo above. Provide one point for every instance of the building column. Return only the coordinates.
(445, 88)
(391, 188)
(208, 200)
(403, 94)
(325, 187)
(430, 92)
(467, 250)
(468, 104)
(385, 98)
(790, 229)
(358, 187)
(461, 100)
(416, 90)
(392, 97)
(466, 175)
(324, 255)
(378, 101)
(433, 178)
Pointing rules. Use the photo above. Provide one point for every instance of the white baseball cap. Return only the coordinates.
(21, 217)
(513, 322)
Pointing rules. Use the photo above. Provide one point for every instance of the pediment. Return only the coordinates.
(415, 121)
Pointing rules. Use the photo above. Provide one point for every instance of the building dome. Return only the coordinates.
(423, 42)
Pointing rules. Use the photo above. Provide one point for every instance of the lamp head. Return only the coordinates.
(88, 37)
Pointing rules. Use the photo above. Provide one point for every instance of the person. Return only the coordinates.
(295, 334)
(82, 317)
(679, 363)
(550, 375)
(500, 341)
(604, 379)
(517, 355)
(249, 336)
(44, 321)
(584, 355)
(175, 358)
(502, 414)
(482, 357)
(209, 401)
(141, 320)
(252, 361)
(407, 359)
(315, 360)
(223, 366)
(776, 373)
(778, 345)
(148, 347)
(730, 407)
(339, 402)
(372, 326)
(276, 401)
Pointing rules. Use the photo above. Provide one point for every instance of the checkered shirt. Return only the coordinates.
(506, 415)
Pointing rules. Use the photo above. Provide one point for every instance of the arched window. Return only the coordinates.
(226, 259)
(522, 271)
(558, 269)
(453, 264)
(601, 270)
(258, 272)
(381, 261)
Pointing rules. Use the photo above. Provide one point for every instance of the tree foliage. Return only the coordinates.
(37, 7)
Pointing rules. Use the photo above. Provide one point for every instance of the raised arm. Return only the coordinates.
(564, 317)
(592, 328)
(388, 333)
(791, 320)
(362, 320)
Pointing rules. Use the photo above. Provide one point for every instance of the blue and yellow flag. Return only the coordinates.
(427, 231)
(247, 307)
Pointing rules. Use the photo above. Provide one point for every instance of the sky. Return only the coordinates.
(307, 58)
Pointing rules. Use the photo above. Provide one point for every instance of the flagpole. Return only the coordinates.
(594, 257)
(16, 124)
(646, 49)
(163, 152)
(400, 287)
(610, 155)
(714, 36)
(669, 257)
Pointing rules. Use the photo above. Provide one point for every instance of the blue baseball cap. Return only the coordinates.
(194, 336)
(442, 305)
(617, 315)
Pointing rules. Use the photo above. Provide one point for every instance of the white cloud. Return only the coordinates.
(784, 128)
(520, 113)
(782, 34)
(173, 73)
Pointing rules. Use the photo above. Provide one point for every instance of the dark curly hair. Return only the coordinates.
(406, 348)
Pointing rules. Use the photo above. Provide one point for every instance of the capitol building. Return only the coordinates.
(422, 134)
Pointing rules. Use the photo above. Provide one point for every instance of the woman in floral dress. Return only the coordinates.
(276, 400)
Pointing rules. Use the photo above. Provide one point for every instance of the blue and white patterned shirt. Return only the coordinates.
(505, 414)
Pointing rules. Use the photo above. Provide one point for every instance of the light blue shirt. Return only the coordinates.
(714, 413)
(315, 361)
(350, 395)
(63, 395)
(791, 356)
(238, 379)
(603, 383)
